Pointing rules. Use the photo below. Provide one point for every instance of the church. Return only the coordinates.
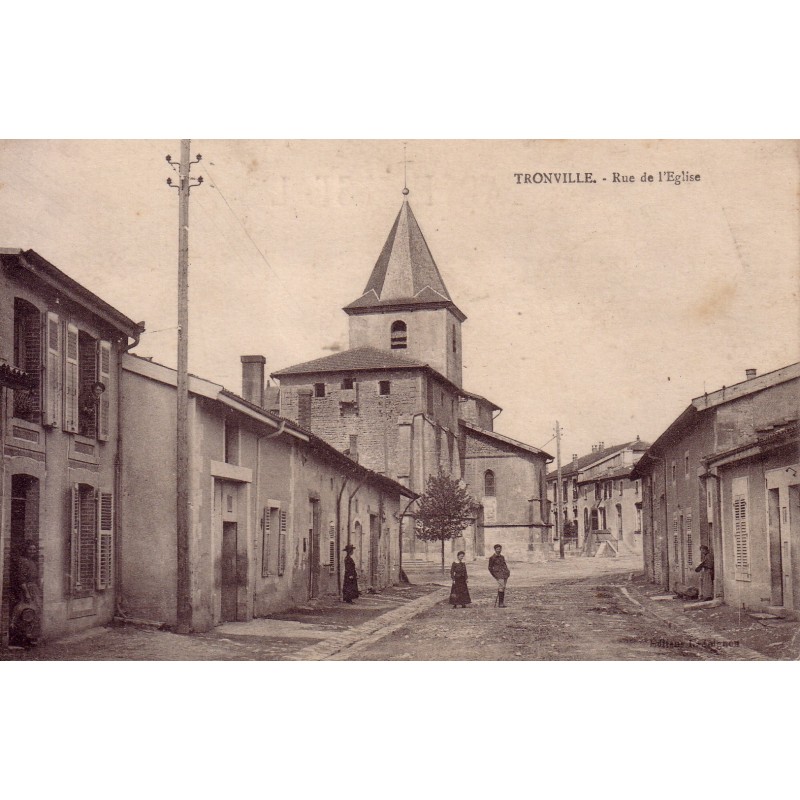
(395, 403)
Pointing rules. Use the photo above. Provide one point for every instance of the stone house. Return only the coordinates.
(725, 474)
(60, 351)
(394, 401)
(600, 499)
(272, 504)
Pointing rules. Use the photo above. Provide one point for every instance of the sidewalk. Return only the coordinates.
(324, 628)
(730, 633)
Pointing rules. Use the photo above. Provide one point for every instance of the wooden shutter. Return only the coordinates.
(74, 538)
(741, 535)
(71, 383)
(282, 545)
(689, 548)
(675, 542)
(51, 405)
(265, 525)
(332, 547)
(105, 540)
(104, 376)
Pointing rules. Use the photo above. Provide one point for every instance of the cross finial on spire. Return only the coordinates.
(405, 171)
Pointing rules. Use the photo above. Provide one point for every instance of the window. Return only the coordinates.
(399, 335)
(686, 466)
(455, 340)
(87, 377)
(91, 540)
(636, 487)
(488, 483)
(348, 383)
(319, 390)
(27, 357)
(673, 472)
(620, 486)
(384, 387)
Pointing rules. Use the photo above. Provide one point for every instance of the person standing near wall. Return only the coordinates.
(706, 570)
(500, 572)
(350, 581)
(459, 593)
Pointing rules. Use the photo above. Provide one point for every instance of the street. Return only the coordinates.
(575, 609)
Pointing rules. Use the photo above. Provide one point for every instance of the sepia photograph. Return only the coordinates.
(399, 400)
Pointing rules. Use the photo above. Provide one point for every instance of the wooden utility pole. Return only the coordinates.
(183, 502)
(559, 525)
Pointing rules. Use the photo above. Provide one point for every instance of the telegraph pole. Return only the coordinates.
(559, 525)
(183, 504)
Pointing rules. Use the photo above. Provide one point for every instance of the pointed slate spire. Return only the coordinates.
(405, 273)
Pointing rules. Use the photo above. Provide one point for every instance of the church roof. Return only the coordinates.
(405, 273)
(359, 358)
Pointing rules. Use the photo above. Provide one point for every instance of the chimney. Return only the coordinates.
(594, 448)
(574, 456)
(750, 374)
(601, 446)
(253, 379)
(304, 407)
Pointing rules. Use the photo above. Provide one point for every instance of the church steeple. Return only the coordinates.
(405, 273)
(405, 305)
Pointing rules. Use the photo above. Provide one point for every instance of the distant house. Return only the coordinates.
(60, 349)
(273, 505)
(394, 401)
(725, 474)
(599, 498)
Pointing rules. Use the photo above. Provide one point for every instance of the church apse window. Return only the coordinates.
(399, 335)
(488, 483)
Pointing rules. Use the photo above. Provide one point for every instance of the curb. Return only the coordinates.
(694, 630)
(359, 638)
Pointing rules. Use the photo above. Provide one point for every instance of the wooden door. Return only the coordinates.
(229, 582)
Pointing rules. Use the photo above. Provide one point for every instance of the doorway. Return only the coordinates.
(229, 583)
(373, 550)
(314, 544)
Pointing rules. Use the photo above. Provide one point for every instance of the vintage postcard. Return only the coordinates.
(423, 400)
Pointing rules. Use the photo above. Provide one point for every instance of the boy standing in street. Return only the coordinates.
(500, 572)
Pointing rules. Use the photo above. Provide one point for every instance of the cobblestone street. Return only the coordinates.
(576, 609)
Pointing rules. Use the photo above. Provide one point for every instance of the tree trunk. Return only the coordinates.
(442, 556)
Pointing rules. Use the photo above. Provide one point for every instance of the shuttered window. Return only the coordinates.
(689, 546)
(28, 357)
(71, 383)
(741, 534)
(52, 384)
(282, 545)
(332, 547)
(675, 538)
(104, 376)
(87, 372)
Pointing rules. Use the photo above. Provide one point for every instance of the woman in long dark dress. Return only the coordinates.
(350, 580)
(459, 594)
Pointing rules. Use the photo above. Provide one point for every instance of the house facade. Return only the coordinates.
(60, 351)
(725, 474)
(600, 499)
(394, 401)
(272, 504)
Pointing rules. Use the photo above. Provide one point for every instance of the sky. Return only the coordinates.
(606, 306)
